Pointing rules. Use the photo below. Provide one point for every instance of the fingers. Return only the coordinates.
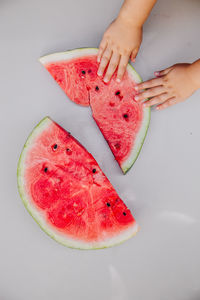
(114, 61)
(122, 67)
(163, 72)
(102, 48)
(157, 100)
(149, 84)
(134, 54)
(104, 61)
(107, 57)
(150, 93)
(167, 103)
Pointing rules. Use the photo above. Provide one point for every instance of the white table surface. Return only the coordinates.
(163, 188)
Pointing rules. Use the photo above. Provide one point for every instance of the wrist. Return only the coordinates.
(194, 74)
(135, 12)
(129, 20)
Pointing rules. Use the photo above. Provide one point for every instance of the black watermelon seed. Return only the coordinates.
(125, 116)
(83, 72)
(69, 151)
(96, 88)
(94, 171)
(117, 146)
(89, 71)
(45, 169)
(55, 146)
(124, 213)
(108, 204)
(117, 93)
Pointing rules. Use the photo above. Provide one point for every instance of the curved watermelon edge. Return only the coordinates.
(126, 168)
(66, 55)
(19, 173)
(69, 54)
(143, 130)
(118, 239)
(136, 77)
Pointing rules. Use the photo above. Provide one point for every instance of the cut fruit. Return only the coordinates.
(122, 121)
(65, 191)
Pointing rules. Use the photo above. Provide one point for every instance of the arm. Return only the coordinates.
(194, 70)
(172, 85)
(136, 11)
(123, 37)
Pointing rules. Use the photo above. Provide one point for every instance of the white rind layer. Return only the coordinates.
(68, 55)
(39, 217)
(127, 164)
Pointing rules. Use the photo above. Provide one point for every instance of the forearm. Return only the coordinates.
(194, 73)
(136, 11)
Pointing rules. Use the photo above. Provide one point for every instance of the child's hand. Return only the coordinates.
(172, 85)
(120, 42)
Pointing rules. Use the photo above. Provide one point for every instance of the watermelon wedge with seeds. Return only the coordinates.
(66, 192)
(122, 121)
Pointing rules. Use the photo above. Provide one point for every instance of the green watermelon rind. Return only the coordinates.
(40, 220)
(67, 55)
(70, 54)
(128, 163)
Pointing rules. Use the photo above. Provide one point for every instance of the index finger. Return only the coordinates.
(149, 84)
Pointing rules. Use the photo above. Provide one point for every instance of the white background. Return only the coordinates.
(163, 188)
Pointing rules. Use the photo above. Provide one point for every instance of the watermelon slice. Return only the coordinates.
(122, 121)
(65, 191)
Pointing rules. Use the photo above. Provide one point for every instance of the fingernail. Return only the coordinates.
(98, 59)
(157, 107)
(157, 73)
(136, 98)
(99, 73)
(106, 79)
(118, 80)
(136, 88)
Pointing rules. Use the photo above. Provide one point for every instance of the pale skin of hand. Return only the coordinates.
(122, 39)
(120, 42)
(172, 85)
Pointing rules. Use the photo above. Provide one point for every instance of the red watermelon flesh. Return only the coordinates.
(122, 121)
(66, 192)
